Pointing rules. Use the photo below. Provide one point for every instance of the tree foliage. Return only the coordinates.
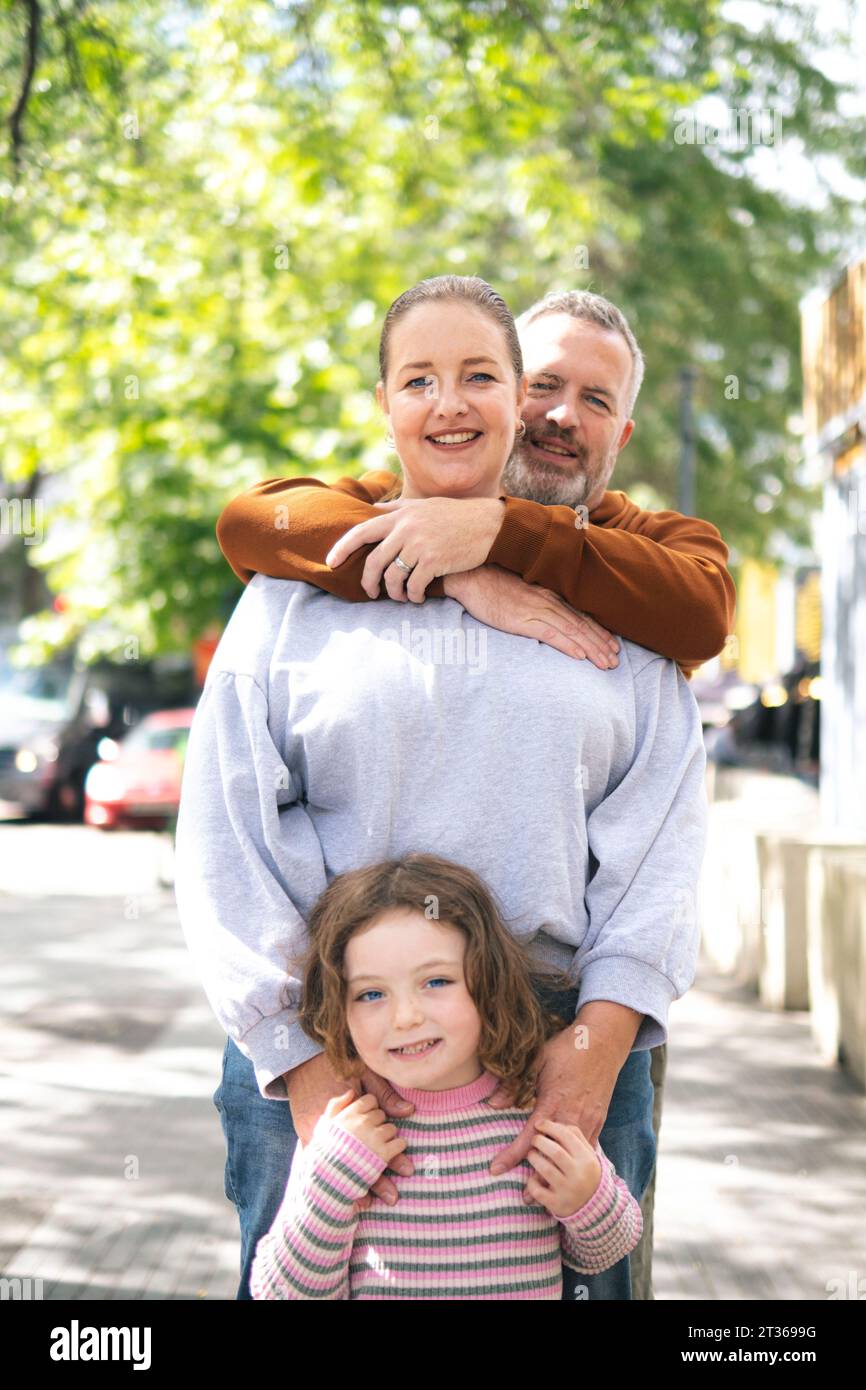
(207, 210)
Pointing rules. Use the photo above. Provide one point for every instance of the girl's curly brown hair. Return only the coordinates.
(499, 971)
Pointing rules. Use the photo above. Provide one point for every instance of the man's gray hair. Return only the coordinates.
(592, 308)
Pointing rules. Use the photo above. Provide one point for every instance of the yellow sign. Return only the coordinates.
(756, 621)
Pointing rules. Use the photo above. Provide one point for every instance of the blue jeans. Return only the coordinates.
(628, 1139)
(260, 1141)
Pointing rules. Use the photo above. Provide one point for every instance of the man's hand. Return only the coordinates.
(437, 535)
(503, 600)
(311, 1085)
(575, 1082)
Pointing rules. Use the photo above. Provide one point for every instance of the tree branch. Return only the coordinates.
(34, 18)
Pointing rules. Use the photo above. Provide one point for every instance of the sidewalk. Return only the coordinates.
(112, 1182)
(760, 1191)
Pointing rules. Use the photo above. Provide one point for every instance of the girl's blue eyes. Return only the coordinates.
(437, 980)
(426, 380)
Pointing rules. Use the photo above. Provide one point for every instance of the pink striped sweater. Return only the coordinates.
(457, 1230)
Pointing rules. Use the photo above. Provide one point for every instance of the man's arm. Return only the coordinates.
(647, 838)
(657, 578)
(285, 527)
(247, 856)
(611, 1026)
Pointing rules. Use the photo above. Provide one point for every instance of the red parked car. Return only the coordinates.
(137, 781)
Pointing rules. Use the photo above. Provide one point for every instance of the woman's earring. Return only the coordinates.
(389, 441)
(521, 430)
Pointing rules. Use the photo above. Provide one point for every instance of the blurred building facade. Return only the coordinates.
(778, 621)
(834, 370)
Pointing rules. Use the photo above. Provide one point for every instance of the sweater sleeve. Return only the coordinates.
(306, 1253)
(247, 853)
(657, 578)
(285, 527)
(607, 1227)
(647, 837)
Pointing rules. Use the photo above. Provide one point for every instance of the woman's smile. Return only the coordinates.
(454, 441)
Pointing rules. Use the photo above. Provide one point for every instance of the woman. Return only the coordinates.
(331, 735)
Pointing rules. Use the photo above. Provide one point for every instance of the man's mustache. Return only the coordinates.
(556, 437)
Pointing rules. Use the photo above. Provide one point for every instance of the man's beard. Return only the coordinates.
(545, 482)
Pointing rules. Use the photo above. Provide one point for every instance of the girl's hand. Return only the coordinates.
(361, 1116)
(567, 1168)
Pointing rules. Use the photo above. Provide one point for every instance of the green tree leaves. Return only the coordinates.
(210, 209)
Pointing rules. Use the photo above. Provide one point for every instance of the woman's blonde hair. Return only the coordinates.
(498, 969)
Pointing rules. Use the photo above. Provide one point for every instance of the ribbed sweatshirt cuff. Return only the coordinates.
(331, 1144)
(625, 980)
(276, 1045)
(524, 530)
(602, 1200)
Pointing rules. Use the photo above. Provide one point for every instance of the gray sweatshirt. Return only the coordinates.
(332, 734)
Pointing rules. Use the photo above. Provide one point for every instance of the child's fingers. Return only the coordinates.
(386, 1130)
(369, 1103)
(537, 1190)
(362, 1097)
(560, 1160)
(338, 1103)
(365, 1105)
(571, 1137)
(543, 1165)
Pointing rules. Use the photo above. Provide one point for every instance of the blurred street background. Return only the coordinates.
(206, 213)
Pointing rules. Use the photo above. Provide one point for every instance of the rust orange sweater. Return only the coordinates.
(656, 578)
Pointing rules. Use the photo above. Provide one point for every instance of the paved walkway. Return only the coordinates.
(761, 1182)
(111, 1183)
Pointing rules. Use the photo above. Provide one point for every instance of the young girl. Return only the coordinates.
(411, 973)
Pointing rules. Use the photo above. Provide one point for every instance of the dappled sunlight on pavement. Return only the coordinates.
(761, 1185)
(112, 1182)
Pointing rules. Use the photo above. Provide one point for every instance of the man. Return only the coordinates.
(656, 578)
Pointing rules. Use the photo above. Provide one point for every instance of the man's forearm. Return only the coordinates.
(309, 1087)
(285, 527)
(611, 1026)
(309, 1075)
(656, 578)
